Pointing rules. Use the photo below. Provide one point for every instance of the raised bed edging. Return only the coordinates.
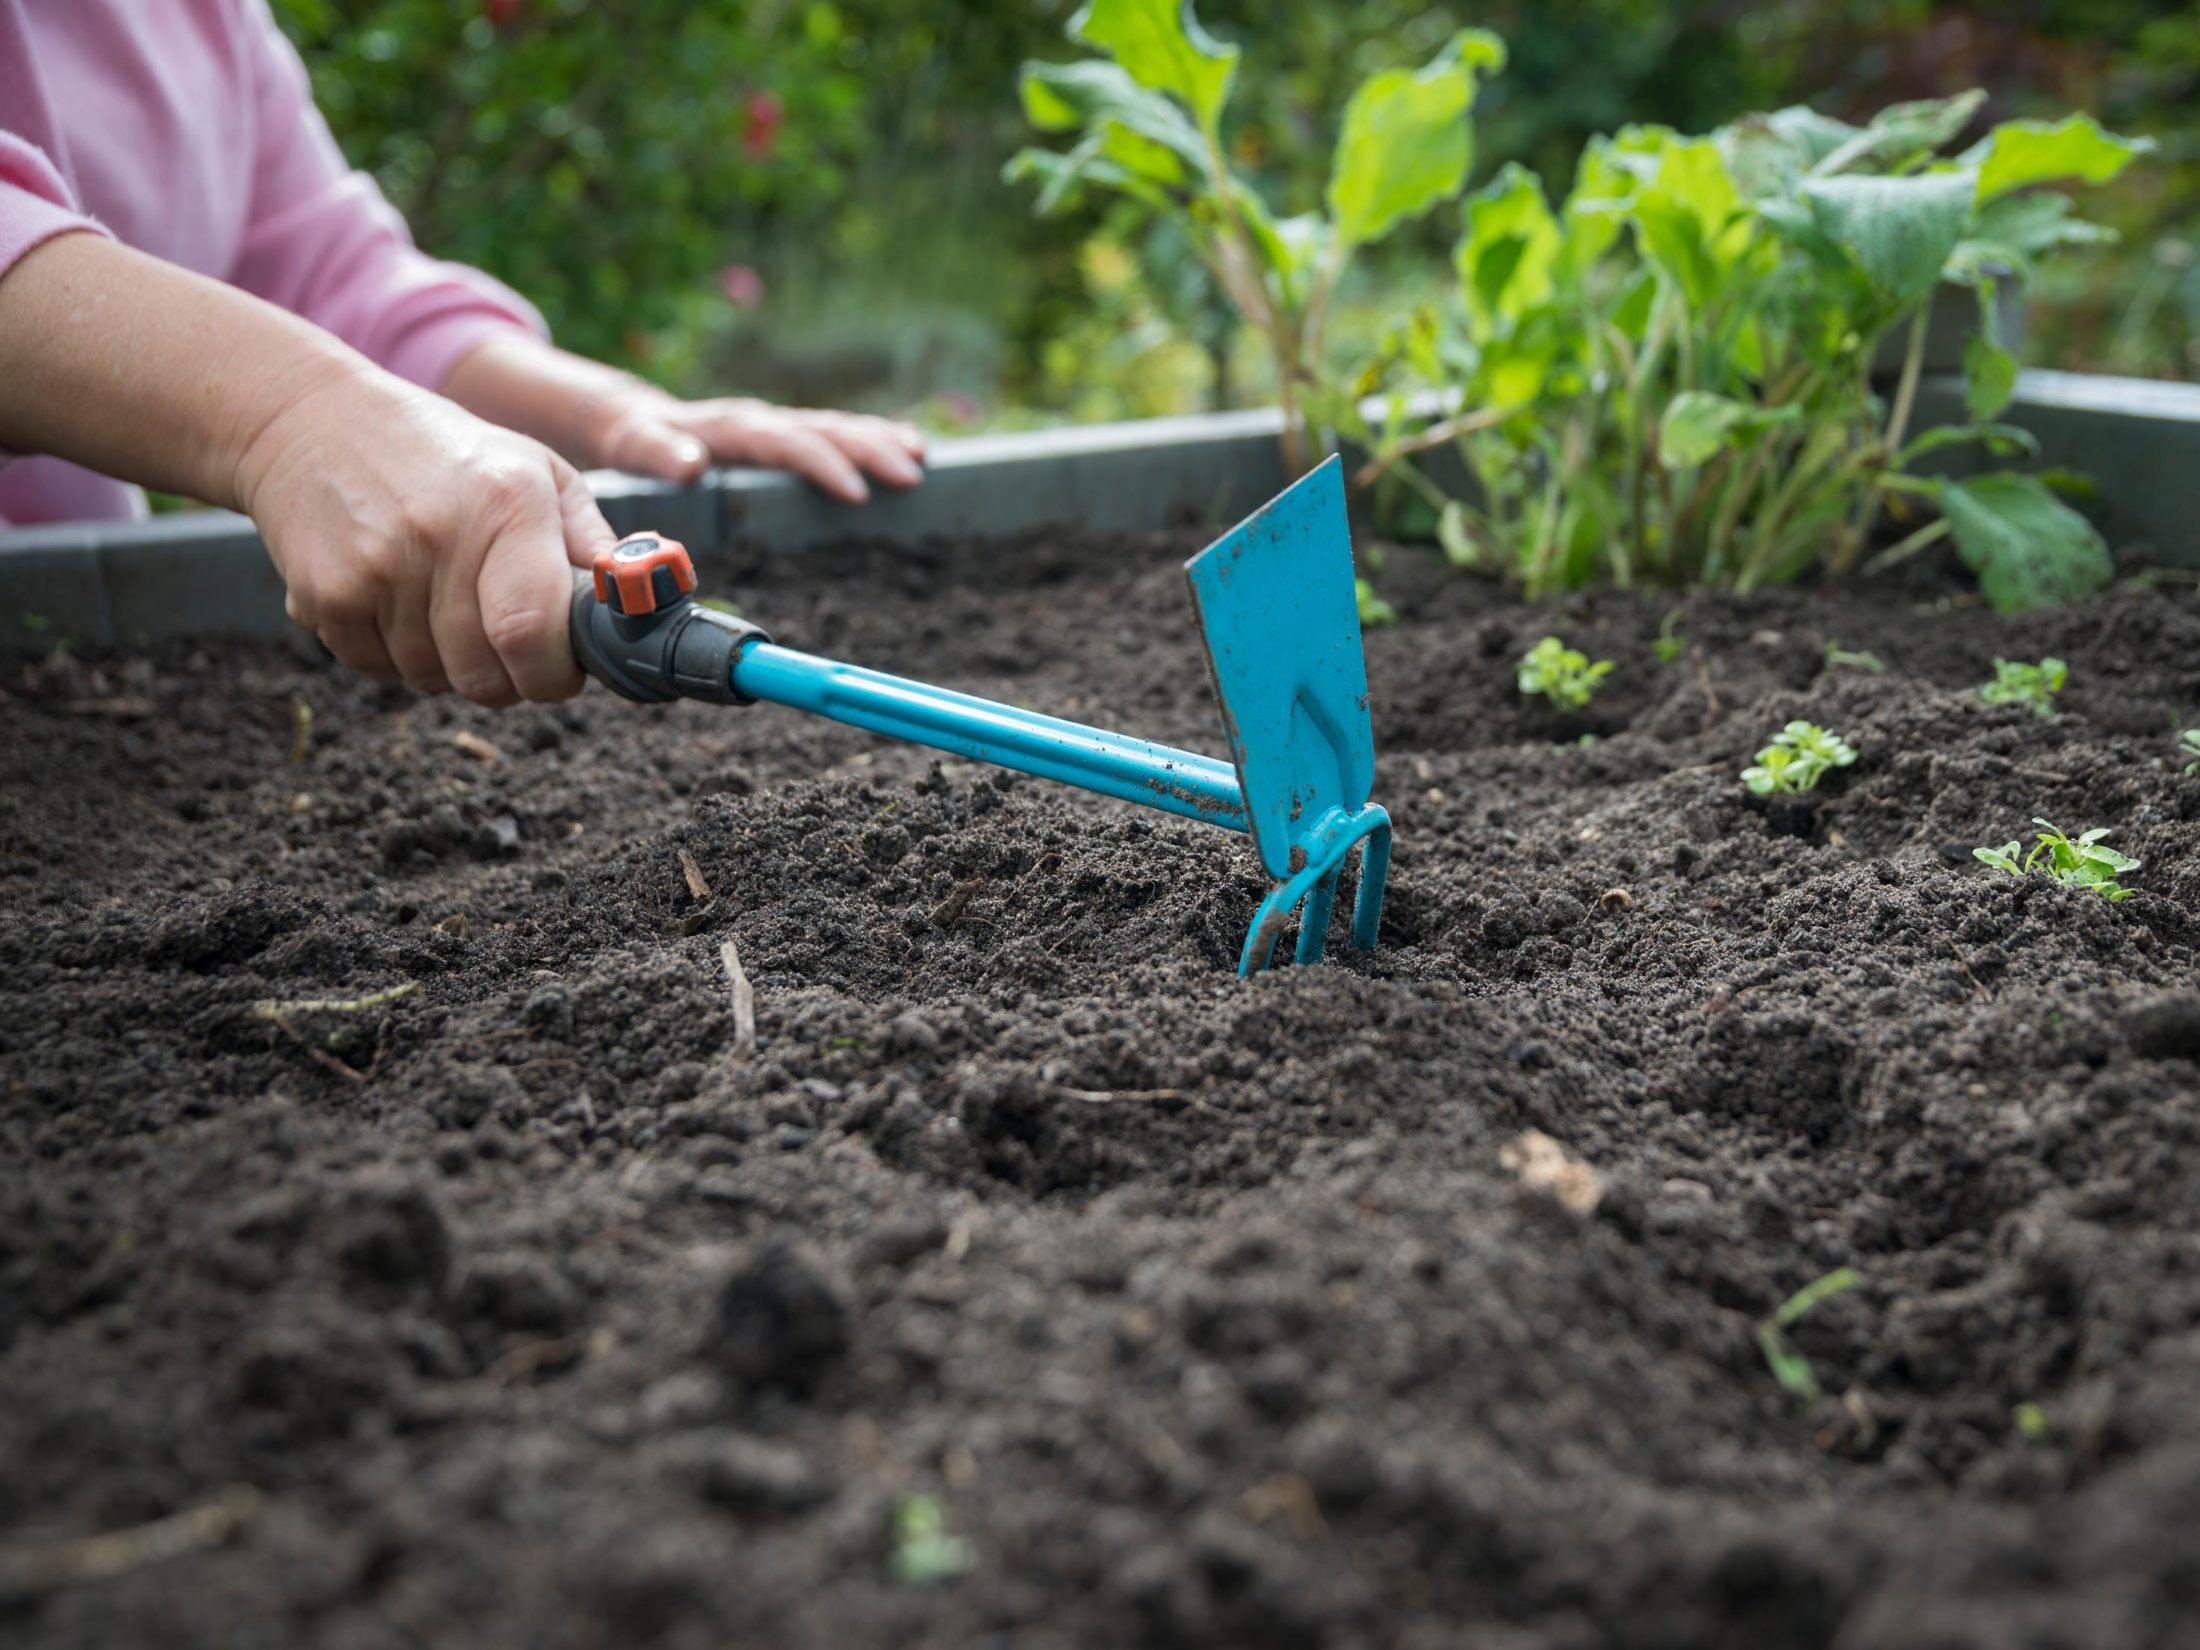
(207, 574)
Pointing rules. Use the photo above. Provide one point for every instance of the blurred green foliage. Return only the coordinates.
(615, 161)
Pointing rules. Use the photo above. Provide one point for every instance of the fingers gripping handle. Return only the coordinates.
(638, 629)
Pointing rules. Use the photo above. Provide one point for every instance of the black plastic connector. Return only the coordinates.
(681, 651)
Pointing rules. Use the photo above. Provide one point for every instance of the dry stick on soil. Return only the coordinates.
(301, 729)
(744, 999)
(27, 1571)
(277, 1013)
(475, 746)
(1964, 963)
(698, 889)
(1710, 697)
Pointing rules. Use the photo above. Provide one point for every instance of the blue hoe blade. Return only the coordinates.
(1281, 622)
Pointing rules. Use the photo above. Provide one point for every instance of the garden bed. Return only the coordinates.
(528, 1309)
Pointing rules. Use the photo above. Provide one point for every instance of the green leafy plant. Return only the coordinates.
(2190, 739)
(1799, 756)
(1146, 120)
(2081, 861)
(1789, 1367)
(2017, 683)
(924, 1553)
(1669, 376)
(1669, 644)
(1561, 674)
(1374, 610)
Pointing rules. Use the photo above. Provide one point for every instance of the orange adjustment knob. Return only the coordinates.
(643, 573)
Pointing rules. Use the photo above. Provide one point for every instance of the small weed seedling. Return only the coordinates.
(1374, 610)
(2022, 684)
(2190, 746)
(1670, 643)
(1561, 674)
(2080, 861)
(1799, 756)
(924, 1553)
(1789, 1367)
(1839, 657)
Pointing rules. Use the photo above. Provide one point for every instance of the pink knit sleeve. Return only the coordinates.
(35, 204)
(323, 242)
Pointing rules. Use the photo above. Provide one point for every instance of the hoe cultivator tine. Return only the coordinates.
(1278, 613)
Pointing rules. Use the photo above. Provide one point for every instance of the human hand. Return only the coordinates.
(419, 541)
(635, 427)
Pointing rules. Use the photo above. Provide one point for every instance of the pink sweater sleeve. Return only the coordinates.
(323, 242)
(35, 204)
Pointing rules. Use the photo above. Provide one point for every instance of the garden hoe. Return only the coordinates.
(1278, 613)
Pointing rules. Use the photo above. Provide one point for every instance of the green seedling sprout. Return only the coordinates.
(1839, 657)
(2079, 861)
(2031, 1420)
(2190, 740)
(924, 1553)
(1799, 756)
(1670, 643)
(1374, 610)
(1561, 674)
(2016, 683)
(1789, 1367)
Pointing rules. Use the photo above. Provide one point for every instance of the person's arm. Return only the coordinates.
(416, 539)
(324, 243)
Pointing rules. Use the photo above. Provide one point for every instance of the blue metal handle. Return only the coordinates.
(1135, 770)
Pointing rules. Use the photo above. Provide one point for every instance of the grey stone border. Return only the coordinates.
(206, 574)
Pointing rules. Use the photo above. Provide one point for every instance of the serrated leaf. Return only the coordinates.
(1406, 144)
(1161, 45)
(2026, 546)
(2018, 153)
(1899, 230)
(1505, 258)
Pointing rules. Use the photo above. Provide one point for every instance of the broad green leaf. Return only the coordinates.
(1506, 255)
(1900, 230)
(1162, 47)
(1061, 176)
(1903, 132)
(2021, 152)
(1064, 96)
(1456, 535)
(2035, 223)
(1596, 207)
(1696, 425)
(1812, 135)
(1685, 213)
(1406, 143)
(2027, 547)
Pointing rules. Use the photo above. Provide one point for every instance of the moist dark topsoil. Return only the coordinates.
(530, 1309)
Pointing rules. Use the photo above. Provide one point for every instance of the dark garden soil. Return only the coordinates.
(529, 1310)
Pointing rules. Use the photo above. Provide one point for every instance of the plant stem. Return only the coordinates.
(1931, 533)
(1436, 435)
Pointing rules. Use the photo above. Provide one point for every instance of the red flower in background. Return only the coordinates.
(500, 12)
(743, 287)
(762, 115)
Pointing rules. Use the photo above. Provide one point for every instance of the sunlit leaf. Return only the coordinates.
(1406, 144)
(1696, 425)
(1161, 45)
(1505, 257)
(2021, 152)
(1903, 132)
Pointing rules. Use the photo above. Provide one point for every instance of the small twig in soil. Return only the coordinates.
(744, 999)
(956, 906)
(1108, 1097)
(475, 746)
(27, 1571)
(1711, 710)
(1291, 1496)
(698, 888)
(301, 730)
(1964, 963)
(523, 1361)
(282, 1008)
